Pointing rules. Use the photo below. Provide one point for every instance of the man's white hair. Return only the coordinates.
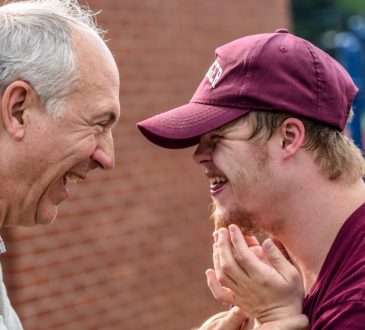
(35, 46)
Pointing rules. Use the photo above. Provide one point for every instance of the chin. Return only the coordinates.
(223, 217)
(46, 215)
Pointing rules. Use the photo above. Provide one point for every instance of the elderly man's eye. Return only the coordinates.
(103, 124)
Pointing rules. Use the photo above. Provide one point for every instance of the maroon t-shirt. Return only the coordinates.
(337, 298)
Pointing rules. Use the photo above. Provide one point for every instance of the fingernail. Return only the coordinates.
(215, 236)
(232, 229)
(269, 244)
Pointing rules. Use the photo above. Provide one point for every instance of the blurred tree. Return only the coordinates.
(351, 6)
(312, 18)
(320, 21)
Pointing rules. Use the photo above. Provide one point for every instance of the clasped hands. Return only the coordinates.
(265, 288)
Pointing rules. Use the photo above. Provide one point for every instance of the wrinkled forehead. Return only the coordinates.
(94, 61)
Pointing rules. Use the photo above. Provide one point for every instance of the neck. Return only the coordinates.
(3, 213)
(313, 221)
(13, 210)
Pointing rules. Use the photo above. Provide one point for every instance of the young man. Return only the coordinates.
(268, 119)
(59, 98)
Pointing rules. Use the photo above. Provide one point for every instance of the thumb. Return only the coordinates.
(234, 319)
(228, 320)
(276, 258)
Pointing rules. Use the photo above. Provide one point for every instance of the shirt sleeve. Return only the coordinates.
(343, 316)
(9, 320)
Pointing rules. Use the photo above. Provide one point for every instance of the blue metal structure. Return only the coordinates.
(350, 52)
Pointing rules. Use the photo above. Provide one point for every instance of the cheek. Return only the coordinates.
(224, 159)
(82, 148)
(247, 178)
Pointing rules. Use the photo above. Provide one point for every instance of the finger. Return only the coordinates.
(273, 254)
(254, 245)
(249, 324)
(216, 260)
(222, 294)
(215, 236)
(251, 240)
(246, 259)
(212, 322)
(281, 247)
(228, 263)
(234, 320)
(230, 320)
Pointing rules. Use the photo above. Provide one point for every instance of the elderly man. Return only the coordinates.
(59, 99)
(268, 119)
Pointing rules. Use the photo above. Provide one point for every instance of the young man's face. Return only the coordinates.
(240, 173)
(57, 151)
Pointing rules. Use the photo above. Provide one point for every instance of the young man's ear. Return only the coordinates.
(292, 134)
(16, 101)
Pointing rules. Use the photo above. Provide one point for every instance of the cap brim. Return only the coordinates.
(182, 127)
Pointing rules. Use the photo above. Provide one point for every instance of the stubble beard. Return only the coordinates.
(238, 216)
(249, 222)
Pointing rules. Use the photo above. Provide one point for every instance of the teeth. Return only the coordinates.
(217, 179)
(73, 178)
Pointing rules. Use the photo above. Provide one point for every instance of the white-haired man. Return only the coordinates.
(59, 99)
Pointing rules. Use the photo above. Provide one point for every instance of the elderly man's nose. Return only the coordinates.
(104, 160)
(103, 155)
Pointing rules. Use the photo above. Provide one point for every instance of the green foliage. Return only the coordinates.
(351, 6)
(313, 17)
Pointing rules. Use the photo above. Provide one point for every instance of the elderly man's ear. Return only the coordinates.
(16, 101)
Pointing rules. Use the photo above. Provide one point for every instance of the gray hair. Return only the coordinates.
(35, 47)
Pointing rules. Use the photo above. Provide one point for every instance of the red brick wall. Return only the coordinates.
(129, 249)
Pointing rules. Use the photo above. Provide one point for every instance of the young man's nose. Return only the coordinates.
(202, 153)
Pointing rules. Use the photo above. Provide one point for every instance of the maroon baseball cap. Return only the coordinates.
(267, 72)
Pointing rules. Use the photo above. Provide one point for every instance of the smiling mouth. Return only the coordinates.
(71, 177)
(217, 183)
